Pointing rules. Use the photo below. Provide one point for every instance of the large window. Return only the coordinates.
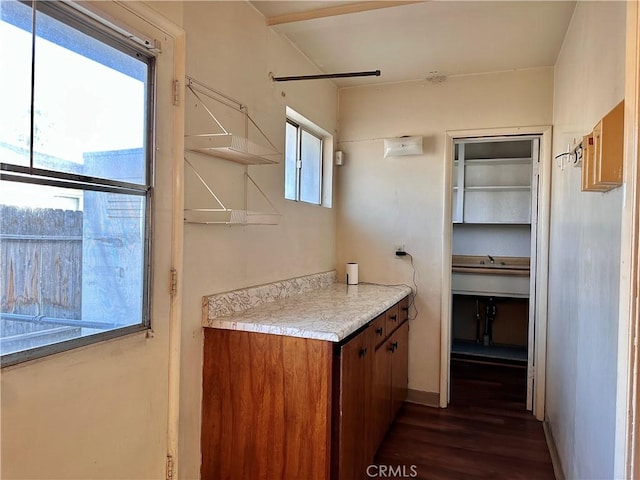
(75, 181)
(303, 164)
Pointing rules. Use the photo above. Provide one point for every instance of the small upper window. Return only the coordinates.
(308, 165)
(303, 165)
(75, 182)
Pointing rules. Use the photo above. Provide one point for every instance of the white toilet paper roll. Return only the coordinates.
(352, 273)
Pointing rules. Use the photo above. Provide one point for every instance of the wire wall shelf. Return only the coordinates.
(225, 145)
(222, 143)
(221, 215)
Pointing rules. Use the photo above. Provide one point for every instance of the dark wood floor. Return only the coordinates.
(485, 433)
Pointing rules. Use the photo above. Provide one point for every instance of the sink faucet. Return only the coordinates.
(491, 259)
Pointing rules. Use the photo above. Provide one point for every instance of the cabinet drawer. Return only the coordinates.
(393, 319)
(403, 310)
(379, 328)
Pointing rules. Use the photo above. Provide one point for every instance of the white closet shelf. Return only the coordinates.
(496, 161)
(497, 188)
(231, 147)
(523, 223)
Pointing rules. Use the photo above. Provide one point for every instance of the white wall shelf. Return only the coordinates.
(235, 148)
(223, 144)
(230, 147)
(219, 214)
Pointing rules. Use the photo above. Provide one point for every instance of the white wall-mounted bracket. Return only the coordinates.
(221, 215)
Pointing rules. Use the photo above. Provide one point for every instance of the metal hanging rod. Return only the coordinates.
(372, 73)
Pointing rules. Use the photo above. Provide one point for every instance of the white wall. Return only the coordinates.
(230, 48)
(383, 202)
(585, 251)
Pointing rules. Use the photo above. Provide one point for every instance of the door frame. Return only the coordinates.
(542, 253)
(627, 428)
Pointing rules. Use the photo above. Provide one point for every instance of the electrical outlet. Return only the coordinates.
(399, 247)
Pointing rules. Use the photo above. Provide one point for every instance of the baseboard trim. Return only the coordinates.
(430, 399)
(553, 451)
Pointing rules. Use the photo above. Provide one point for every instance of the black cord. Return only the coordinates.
(412, 302)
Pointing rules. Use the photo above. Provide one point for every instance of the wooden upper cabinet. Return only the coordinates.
(590, 143)
(603, 152)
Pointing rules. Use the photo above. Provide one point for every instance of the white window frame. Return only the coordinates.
(104, 32)
(325, 194)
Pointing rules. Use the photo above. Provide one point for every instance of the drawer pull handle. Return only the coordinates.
(393, 318)
(393, 347)
(363, 352)
(405, 309)
(379, 331)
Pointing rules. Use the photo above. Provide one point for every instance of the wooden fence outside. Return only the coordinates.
(41, 270)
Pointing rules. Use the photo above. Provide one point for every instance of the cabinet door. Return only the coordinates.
(609, 155)
(265, 406)
(602, 153)
(399, 342)
(356, 369)
(381, 395)
(588, 162)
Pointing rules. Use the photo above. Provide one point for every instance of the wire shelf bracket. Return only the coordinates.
(224, 144)
(221, 215)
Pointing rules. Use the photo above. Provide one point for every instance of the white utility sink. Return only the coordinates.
(491, 284)
(489, 276)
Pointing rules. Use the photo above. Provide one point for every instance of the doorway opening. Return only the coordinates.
(492, 316)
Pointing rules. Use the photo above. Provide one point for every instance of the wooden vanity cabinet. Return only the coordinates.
(279, 407)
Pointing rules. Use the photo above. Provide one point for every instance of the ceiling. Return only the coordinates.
(420, 40)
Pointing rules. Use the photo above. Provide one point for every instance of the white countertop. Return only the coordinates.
(330, 313)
